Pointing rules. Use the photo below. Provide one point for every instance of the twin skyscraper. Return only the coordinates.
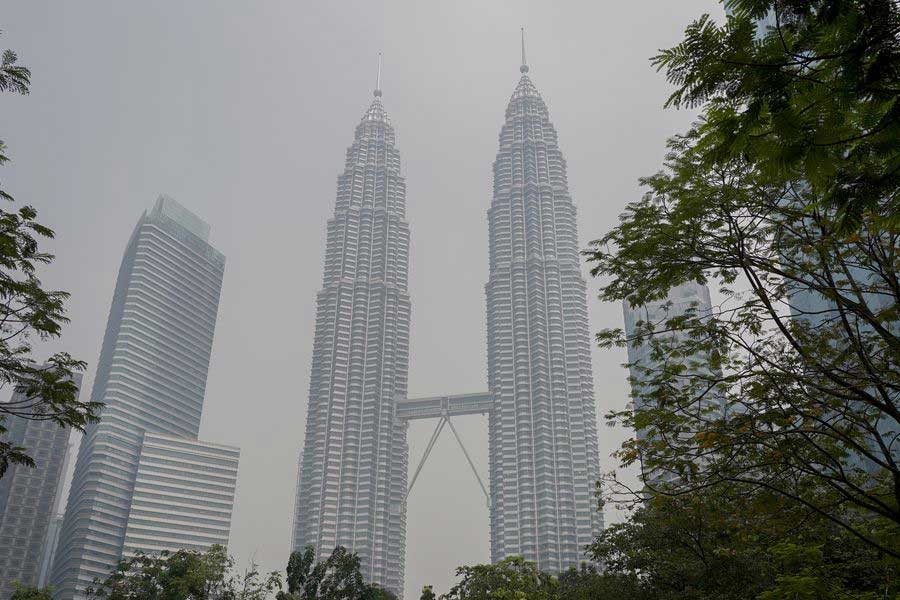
(144, 482)
(544, 463)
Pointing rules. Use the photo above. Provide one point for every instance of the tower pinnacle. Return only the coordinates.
(377, 91)
(524, 67)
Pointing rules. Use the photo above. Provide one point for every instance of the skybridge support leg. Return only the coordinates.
(445, 420)
(487, 496)
(434, 437)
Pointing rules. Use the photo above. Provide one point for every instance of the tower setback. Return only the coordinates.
(542, 429)
(353, 470)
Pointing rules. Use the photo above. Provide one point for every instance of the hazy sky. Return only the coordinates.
(243, 110)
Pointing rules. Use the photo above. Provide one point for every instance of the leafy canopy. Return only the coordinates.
(338, 577)
(803, 89)
(724, 543)
(185, 575)
(791, 382)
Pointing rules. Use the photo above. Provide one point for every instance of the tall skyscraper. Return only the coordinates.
(151, 377)
(353, 471)
(28, 498)
(542, 430)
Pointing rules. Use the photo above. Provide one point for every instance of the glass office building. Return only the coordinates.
(151, 377)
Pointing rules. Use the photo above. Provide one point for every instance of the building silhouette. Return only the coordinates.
(151, 377)
(29, 497)
(544, 461)
(353, 471)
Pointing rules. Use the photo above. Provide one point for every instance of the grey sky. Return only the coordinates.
(242, 111)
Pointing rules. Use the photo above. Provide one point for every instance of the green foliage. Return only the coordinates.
(427, 593)
(513, 578)
(803, 90)
(28, 312)
(517, 579)
(185, 575)
(31, 593)
(723, 543)
(336, 578)
(767, 427)
(587, 583)
(766, 389)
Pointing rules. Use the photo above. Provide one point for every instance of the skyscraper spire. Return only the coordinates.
(524, 67)
(542, 430)
(377, 91)
(353, 473)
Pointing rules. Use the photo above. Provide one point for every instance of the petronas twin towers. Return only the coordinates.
(541, 417)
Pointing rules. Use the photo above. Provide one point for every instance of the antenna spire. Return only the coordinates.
(524, 67)
(377, 91)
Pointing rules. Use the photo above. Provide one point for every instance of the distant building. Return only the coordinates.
(50, 544)
(690, 298)
(544, 461)
(29, 497)
(151, 377)
(183, 496)
(353, 473)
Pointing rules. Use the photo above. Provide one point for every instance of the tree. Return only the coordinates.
(183, 575)
(723, 543)
(427, 593)
(802, 396)
(801, 393)
(806, 90)
(512, 578)
(28, 312)
(31, 593)
(336, 578)
(379, 593)
(587, 583)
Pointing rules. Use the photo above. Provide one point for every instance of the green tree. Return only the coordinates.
(512, 578)
(792, 382)
(379, 593)
(797, 397)
(427, 593)
(31, 593)
(28, 312)
(806, 90)
(336, 578)
(587, 583)
(723, 543)
(185, 575)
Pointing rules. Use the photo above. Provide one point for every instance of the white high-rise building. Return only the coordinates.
(353, 472)
(151, 377)
(183, 495)
(544, 461)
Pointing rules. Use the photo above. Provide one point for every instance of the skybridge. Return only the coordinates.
(442, 408)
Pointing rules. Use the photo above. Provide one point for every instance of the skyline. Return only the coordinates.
(447, 217)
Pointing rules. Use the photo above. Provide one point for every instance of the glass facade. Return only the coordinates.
(151, 377)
